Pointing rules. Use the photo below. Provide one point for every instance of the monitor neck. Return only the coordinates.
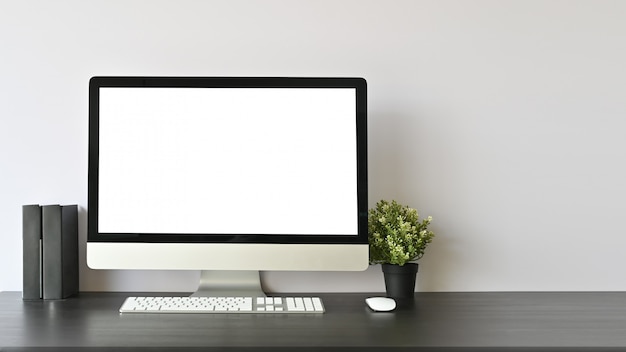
(234, 283)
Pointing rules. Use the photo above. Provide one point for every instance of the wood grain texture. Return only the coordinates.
(433, 322)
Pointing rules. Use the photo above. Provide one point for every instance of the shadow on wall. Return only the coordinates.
(404, 165)
(389, 158)
(438, 265)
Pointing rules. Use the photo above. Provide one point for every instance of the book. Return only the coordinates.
(31, 252)
(60, 251)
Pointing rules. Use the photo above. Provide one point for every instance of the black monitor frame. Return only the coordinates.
(360, 86)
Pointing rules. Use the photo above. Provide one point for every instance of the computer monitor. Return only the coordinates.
(228, 175)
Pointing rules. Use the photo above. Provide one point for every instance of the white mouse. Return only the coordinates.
(381, 304)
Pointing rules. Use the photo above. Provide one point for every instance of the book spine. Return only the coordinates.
(60, 251)
(31, 252)
(69, 250)
(52, 252)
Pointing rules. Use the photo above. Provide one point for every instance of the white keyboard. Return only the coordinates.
(222, 305)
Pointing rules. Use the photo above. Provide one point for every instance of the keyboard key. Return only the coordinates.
(308, 304)
(317, 303)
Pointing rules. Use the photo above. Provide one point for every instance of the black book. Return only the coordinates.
(60, 251)
(31, 252)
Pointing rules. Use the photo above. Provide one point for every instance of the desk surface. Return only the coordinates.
(435, 321)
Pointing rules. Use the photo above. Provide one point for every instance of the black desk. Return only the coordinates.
(435, 322)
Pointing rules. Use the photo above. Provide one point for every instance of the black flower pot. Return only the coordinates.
(400, 280)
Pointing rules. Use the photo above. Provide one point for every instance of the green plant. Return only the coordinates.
(396, 235)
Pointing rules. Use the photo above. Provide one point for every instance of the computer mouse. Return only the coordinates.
(381, 304)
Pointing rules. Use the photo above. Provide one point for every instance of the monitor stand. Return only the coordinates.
(233, 283)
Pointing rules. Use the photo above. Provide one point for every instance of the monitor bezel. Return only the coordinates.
(360, 86)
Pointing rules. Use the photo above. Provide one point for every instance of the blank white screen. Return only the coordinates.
(227, 160)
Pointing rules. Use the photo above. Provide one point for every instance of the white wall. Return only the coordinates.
(504, 120)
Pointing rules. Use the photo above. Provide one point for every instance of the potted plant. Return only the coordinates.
(397, 238)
